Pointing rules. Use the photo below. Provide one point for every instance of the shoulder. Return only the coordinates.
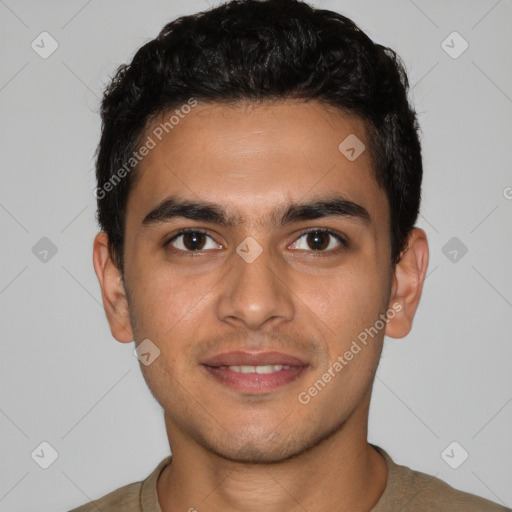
(408, 489)
(134, 497)
(428, 492)
(125, 499)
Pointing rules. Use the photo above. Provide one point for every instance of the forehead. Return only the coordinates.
(255, 158)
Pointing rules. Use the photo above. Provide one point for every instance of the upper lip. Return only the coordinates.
(240, 358)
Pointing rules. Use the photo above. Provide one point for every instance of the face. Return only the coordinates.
(259, 308)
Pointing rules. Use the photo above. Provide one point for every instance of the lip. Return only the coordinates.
(254, 383)
(253, 359)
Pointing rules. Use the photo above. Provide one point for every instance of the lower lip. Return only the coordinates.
(255, 382)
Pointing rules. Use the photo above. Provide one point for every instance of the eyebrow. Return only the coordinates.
(333, 205)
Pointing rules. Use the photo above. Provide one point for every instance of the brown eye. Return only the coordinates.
(192, 241)
(319, 240)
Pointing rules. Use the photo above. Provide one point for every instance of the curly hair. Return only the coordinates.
(257, 51)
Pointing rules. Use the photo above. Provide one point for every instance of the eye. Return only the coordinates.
(192, 240)
(319, 240)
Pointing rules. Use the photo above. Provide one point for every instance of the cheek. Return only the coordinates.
(349, 300)
(166, 299)
(347, 311)
(154, 307)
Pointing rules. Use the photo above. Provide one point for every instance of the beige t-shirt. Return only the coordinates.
(406, 491)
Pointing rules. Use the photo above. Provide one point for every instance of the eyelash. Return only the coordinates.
(191, 254)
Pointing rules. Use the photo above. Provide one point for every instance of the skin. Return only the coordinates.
(231, 450)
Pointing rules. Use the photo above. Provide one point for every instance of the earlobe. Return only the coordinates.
(408, 277)
(112, 290)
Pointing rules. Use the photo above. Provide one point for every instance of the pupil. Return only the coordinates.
(193, 244)
(316, 237)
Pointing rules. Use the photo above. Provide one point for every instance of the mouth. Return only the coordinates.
(254, 373)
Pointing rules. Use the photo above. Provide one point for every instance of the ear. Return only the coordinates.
(407, 284)
(112, 290)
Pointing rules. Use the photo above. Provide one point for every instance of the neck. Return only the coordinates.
(342, 473)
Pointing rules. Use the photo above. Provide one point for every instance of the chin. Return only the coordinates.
(263, 447)
(256, 453)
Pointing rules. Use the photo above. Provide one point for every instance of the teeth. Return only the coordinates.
(269, 368)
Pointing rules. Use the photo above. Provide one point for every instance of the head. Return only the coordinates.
(282, 139)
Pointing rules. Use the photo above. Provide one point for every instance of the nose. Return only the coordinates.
(255, 294)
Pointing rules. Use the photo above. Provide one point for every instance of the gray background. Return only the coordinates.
(64, 380)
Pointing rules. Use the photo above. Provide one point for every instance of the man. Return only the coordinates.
(259, 178)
